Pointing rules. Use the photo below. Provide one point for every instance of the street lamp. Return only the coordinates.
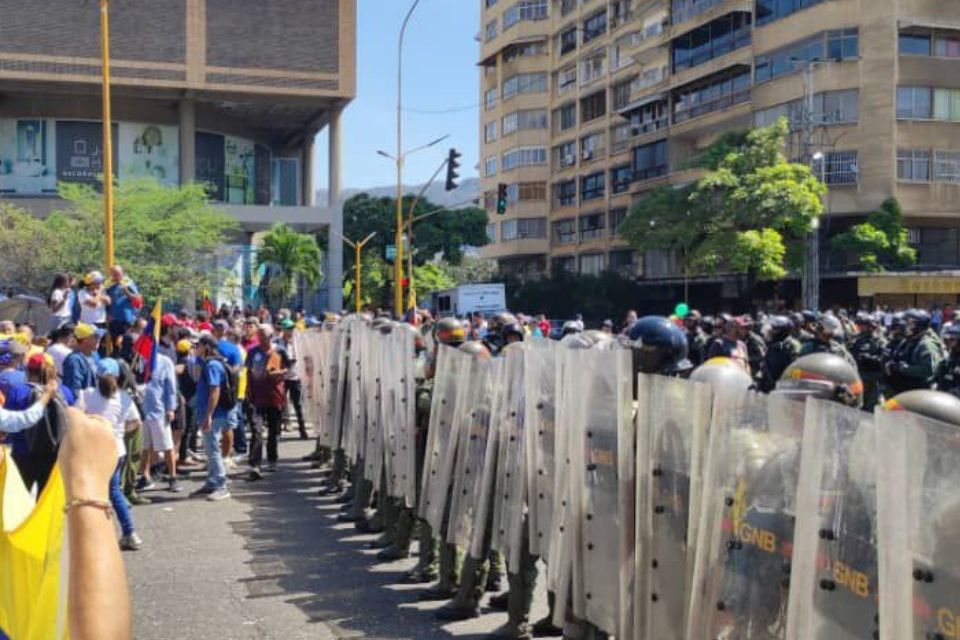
(357, 248)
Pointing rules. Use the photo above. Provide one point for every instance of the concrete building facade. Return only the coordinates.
(228, 92)
(612, 97)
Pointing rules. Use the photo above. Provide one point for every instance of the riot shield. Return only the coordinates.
(451, 377)
(403, 423)
(540, 409)
(390, 364)
(918, 524)
(469, 498)
(833, 583)
(602, 452)
(510, 492)
(331, 423)
(355, 425)
(742, 571)
(673, 418)
(374, 382)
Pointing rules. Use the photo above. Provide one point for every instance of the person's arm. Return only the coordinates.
(214, 379)
(98, 604)
(16, 421)
(170, 396)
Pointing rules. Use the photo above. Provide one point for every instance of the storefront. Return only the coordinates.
(902, 290)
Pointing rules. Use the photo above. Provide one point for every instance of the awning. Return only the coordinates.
(491, 59)
(868, 286)
(929, 24)
(636, 104)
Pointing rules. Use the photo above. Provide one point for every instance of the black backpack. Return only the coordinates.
(228, 390)
(44, 437)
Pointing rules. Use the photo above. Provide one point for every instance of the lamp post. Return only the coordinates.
(357, 248)
(107, 135)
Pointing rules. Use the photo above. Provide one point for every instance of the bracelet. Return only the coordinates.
(103, 505)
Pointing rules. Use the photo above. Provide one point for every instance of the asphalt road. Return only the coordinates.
(272, 563)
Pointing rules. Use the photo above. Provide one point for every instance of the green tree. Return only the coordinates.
(430, 277)
(164, 236)
(743, 216)
(30, 252)
(881, 241)
(374, 280)
(289, 256)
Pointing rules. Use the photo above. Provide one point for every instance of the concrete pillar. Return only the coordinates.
(188, 124)
(335, 246)
(307, 191)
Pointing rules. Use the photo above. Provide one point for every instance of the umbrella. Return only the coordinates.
(28, 310)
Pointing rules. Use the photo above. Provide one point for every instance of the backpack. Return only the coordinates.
(44, 437)
(228, 390)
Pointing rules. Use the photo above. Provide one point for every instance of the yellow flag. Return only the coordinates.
(32, 588)
(157, 314)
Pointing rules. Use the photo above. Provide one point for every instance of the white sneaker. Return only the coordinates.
(219, 494)
(229, 464)
(131, 542)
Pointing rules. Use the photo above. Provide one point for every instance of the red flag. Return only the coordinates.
(208, 306)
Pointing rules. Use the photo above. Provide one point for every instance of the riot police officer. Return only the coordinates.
(827, 338)
(756, 347)
(696, 339)
(868, 349)
(783, 349)
(915, 361)
(948, 373)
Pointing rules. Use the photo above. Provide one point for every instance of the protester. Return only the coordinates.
(213, 415)
(93, 301)
(60, 299)
(160, 402)
(184, 433)
(291, 378)
(123, 304)
(62, 344)
(266, 366)
(79, 368)
(233, 359)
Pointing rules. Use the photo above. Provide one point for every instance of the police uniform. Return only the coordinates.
(915, 362)
(780, 353)
(833, 346)
(868, 350)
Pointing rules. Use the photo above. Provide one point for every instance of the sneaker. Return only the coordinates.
(229, 464)
(219, 494)
(254, 475)
(131, 542)
(136, 499)
(205, 490)
(272, 466)
(174, 486)
(145, 484)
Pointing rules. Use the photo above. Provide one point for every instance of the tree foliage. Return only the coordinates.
(163, 236)
(879, 242)
(30, 252)
(288, 256)
(742, 216)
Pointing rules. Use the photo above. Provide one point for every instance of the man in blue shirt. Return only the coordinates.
(230, 352)
(13, 381)
(160, 402)
(125, 299)
(213, 419)
(79, 368)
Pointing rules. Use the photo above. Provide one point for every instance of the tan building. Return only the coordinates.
(588, 104)
(228, 92)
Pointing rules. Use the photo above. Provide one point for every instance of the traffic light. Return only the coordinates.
(452, 165)
(501, 198)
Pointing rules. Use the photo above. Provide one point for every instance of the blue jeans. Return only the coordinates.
(119, 502)
(216, 472)
(239, 430)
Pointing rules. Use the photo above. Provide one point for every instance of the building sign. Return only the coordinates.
(80, 151)
(27, 155)
(239, 171)
(150, 151)
(869, 286)
(209, 163)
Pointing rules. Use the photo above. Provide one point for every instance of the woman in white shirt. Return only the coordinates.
(109, 401)
(60, 300)
(93, 301)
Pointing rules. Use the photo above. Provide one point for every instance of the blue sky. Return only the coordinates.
(440, 74)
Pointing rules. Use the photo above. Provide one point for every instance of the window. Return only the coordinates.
(524, 83)
(285, 185)
(566, 192)
(522, 228)
(524, 157)
(829, 108)
(525, 10)
(490, 166)
(946, 166)
(566, 80)
(617, 216)
(839, 44)
(490, 3)
(620, 178)
(710, 41)
(565, 117)
(592, 69)
(593, 146)
(592, 264)
(490, 99)
(565, 231)
(838, 168)
(524, 50)
(719, 92)
(915, 45)
(491, 30)
(592, 186)
(568, 40)
(946, 104)
(594, 106)
(565, 154)
(490, 131)
(650, 160)
(566, 6)
(621, 95)
(624, 262)
(594, 26)
(649, 117)
(532, 191)
(492, 232)
(946, 46)
(771, 10)
(524, 120)
(591, 226)
(683, 10)
(937, 246)
(914, 103)
(913, 165)
(564, 264)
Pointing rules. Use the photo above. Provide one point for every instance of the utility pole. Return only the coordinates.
(107, 136)
(810, 275)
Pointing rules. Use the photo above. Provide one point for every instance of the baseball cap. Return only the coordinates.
(13, 347)
(286, 324)
(208, 341)
(205, 326)
(168, 320)
(184, 346)
(38, 360)
(108, 367)
(84, 331)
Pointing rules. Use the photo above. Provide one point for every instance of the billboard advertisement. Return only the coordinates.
(27, 155)
(80, 151)
(149, 151)
(209, 163)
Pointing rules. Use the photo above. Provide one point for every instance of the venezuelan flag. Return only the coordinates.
(146, 345)
(33, 588)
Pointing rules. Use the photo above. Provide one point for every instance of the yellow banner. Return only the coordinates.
(868, 286)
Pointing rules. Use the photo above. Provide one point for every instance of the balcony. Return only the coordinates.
(695, 110)
(688, 11)
(624, 136)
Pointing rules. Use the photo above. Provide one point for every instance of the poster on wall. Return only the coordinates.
(263, 169)
(208, 156)
(27, 155)
(149, 151)
(239, 172)
(80, 151)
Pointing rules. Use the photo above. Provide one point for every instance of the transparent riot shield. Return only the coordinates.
(602, 438)
(919, 527)
(673, 419)
(355, 425)
(403, 424)
(833, 580)
(510, 492)
(451, 377)
(474, 417)
(742, 571)
(374, 382)
(331, 422)
(539, 416)
(390, 363)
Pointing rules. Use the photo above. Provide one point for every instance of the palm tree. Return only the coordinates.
(289, 256)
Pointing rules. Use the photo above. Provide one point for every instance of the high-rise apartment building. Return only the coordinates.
(589, 104)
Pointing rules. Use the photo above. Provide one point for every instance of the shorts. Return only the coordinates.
(157, 435)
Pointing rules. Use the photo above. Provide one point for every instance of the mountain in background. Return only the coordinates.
(466, 193)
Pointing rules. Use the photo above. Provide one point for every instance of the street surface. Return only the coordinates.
(273, 563)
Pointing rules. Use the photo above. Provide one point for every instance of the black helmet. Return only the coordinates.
(809, 316)
(476, 349)
(499, 321)
(822, 375)
(449, 331)
(512, 329)
(935, 405)
(708, 323)
(865, 318)
(659, 345)
(780, 327)
(952, 332)
(916, 321)
(898, 320)
(797, 319)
